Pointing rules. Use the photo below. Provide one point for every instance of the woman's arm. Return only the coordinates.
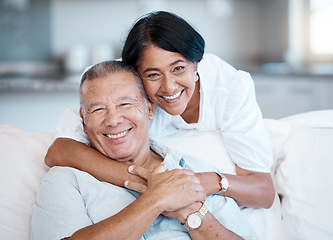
(248, 188)
(70, 153)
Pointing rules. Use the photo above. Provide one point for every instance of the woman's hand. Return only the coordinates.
(141, 172)
(175, 189)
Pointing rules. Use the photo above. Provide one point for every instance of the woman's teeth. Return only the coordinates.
(113, 136)
(173, 96)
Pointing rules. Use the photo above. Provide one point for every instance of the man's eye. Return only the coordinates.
(124, 104)
(97, 110)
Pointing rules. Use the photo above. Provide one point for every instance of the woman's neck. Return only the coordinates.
(191, 113)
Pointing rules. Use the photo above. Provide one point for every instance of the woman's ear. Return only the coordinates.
(150, 109)
(196, 66)
(83, 122)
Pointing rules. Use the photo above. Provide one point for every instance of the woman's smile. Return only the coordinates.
(172, 98)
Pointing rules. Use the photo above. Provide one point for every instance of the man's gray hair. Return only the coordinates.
(106, 68)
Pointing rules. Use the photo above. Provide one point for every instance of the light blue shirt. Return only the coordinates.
(69, 199)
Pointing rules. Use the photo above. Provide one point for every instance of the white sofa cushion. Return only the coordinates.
(21, 169)
(305, 176)
(302, 150)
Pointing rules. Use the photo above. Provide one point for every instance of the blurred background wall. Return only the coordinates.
(45, 45)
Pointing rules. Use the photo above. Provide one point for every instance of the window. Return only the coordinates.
(320, 27)
(310, 37)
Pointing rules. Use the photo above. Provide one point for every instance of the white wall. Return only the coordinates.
(35, 111)
(280, 96)
(237, 38)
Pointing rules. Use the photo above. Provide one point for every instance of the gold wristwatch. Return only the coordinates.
(194, 220)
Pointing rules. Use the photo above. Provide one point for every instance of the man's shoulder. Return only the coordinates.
(64, 176)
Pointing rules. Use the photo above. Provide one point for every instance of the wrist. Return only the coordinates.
(182, 216)
(210, 182)
(223, 183)
(195, 219)
(155, 201)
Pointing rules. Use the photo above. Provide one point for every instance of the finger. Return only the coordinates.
(140, 188)
(139, 171)
(160, 168)
(201, 197)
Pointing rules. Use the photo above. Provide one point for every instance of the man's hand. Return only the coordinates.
(183, 213)
(175, 189)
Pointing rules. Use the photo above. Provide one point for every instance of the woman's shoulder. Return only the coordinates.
(217, 73)
(213, 61)
(214, 71)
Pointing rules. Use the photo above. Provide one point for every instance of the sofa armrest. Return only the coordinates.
(21, 169)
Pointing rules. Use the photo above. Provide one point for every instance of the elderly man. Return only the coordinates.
(73, 204)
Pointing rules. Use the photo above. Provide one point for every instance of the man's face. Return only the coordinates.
(116, 117)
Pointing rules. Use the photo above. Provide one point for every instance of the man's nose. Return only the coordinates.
(113, 118)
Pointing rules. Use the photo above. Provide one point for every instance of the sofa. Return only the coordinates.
(302, 145)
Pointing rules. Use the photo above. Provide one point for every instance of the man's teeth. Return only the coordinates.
(173, 96)
(112, 136)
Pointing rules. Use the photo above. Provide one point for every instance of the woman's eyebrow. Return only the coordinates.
(150, 69)
(176, 62)
(170, 65)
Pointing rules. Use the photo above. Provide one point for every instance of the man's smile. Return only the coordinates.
(118, 135)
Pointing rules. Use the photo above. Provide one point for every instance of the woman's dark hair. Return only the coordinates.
(167, 31)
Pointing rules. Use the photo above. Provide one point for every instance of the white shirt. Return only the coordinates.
(227, 103)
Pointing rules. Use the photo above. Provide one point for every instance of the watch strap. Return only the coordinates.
(223, 188)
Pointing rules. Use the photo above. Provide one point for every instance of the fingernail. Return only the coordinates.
(130, 168)
(126, 183)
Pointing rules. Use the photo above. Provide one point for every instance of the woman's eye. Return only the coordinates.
(153, 76)
(179, 68)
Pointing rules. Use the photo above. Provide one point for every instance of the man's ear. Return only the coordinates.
(83, 122)
(150, 109)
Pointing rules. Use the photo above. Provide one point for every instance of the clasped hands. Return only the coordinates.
(178, 191)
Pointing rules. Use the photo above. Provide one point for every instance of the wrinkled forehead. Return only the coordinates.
(116, 85)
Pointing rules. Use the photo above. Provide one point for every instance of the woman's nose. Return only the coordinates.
(169, 84)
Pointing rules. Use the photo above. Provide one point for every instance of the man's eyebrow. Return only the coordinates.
(127, 98)
(93, 105)
(170, 65)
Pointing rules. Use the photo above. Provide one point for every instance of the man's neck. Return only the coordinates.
(152, 161)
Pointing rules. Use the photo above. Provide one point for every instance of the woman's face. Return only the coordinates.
(168, 78)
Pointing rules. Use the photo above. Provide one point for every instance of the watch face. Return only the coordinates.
(194, 221)
(225, 183)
